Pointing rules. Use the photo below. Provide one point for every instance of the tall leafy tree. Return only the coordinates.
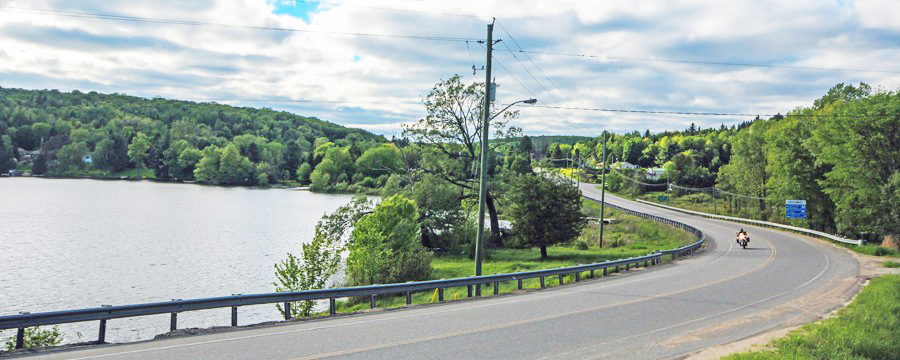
(137, 151)
(544, 211)
(859, 143)
(453, 128)
(385, 245)
(793, 171)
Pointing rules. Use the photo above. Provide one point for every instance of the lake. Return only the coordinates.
(71, 244)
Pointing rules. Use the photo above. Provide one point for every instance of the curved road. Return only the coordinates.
(721, 295)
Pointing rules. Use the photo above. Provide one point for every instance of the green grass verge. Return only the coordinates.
(868, 328)
(891, 264)
(628, 237)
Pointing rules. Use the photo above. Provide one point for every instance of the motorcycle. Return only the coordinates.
(743, 242)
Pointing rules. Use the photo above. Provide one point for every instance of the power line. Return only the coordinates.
(666, 112)
(306, 101)
(87, 15)
(550, 94)
(700, 62)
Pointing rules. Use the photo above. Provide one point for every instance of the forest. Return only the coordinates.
(841, 155)
(47, 132)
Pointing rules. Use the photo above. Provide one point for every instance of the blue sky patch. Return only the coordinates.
(297, 9)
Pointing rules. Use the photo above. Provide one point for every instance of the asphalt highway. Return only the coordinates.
(720, 295)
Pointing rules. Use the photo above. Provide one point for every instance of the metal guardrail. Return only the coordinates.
(104, 313)
(759, 222)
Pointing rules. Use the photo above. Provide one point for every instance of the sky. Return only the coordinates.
(320, 59)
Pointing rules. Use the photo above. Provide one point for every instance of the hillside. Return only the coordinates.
(80, 134)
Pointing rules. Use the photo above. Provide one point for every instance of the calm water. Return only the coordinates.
(70, 244)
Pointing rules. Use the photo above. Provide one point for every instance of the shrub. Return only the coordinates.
(36, 337)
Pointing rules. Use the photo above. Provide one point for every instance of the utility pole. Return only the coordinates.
(577, 168)
(482, 188)
(603, 189)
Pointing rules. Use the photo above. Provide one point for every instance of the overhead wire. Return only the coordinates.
(701, 62)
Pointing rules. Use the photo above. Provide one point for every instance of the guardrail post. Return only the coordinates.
(469, 288)
(605, 271)
(20, 338)
(561, 279)
(627, 266)
(440, 294)
(520, 284)
(287, 310)
(577, 276)
(332, 308)
(646, 263)
(478, 290)
(496, 287)
(408, 298)
(542, 282)
(372, 302)
(234, 316)
(101, 337)
(592, 274)
(173, 322)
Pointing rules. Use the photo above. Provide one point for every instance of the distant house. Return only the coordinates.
(87, 159)
(27, 157)
(655, 173)
(624, 165)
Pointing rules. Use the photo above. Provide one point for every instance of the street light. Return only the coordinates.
(529, 102)
(482, 191)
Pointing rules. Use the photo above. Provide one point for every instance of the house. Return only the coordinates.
(27, 157)
(655, 173)
(624, 165)
(87, 159)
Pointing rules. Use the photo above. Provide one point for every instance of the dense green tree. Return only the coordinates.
(544, 211)
(234, 168)
(7, 154)
(41, 131)
(104, 155)
(187, 162)
(303, 172)
(71, 157)
(859, 143)
(380, 160)
(137, 151)
(385, 245)
(793, 171)
(207, 169)
(684, 169)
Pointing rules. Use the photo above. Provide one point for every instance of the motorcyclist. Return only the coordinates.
(741, 235)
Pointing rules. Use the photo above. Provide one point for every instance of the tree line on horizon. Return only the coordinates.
(178, 140)
(841, 155)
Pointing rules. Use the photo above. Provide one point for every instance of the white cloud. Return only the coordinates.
(382, 88)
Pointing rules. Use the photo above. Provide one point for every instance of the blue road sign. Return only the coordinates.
(795, 209)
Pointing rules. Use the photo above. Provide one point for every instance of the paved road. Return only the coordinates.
(721, 295)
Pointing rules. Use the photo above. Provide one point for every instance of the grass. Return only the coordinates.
(629, 237)
(891, 264)
(868, 328)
